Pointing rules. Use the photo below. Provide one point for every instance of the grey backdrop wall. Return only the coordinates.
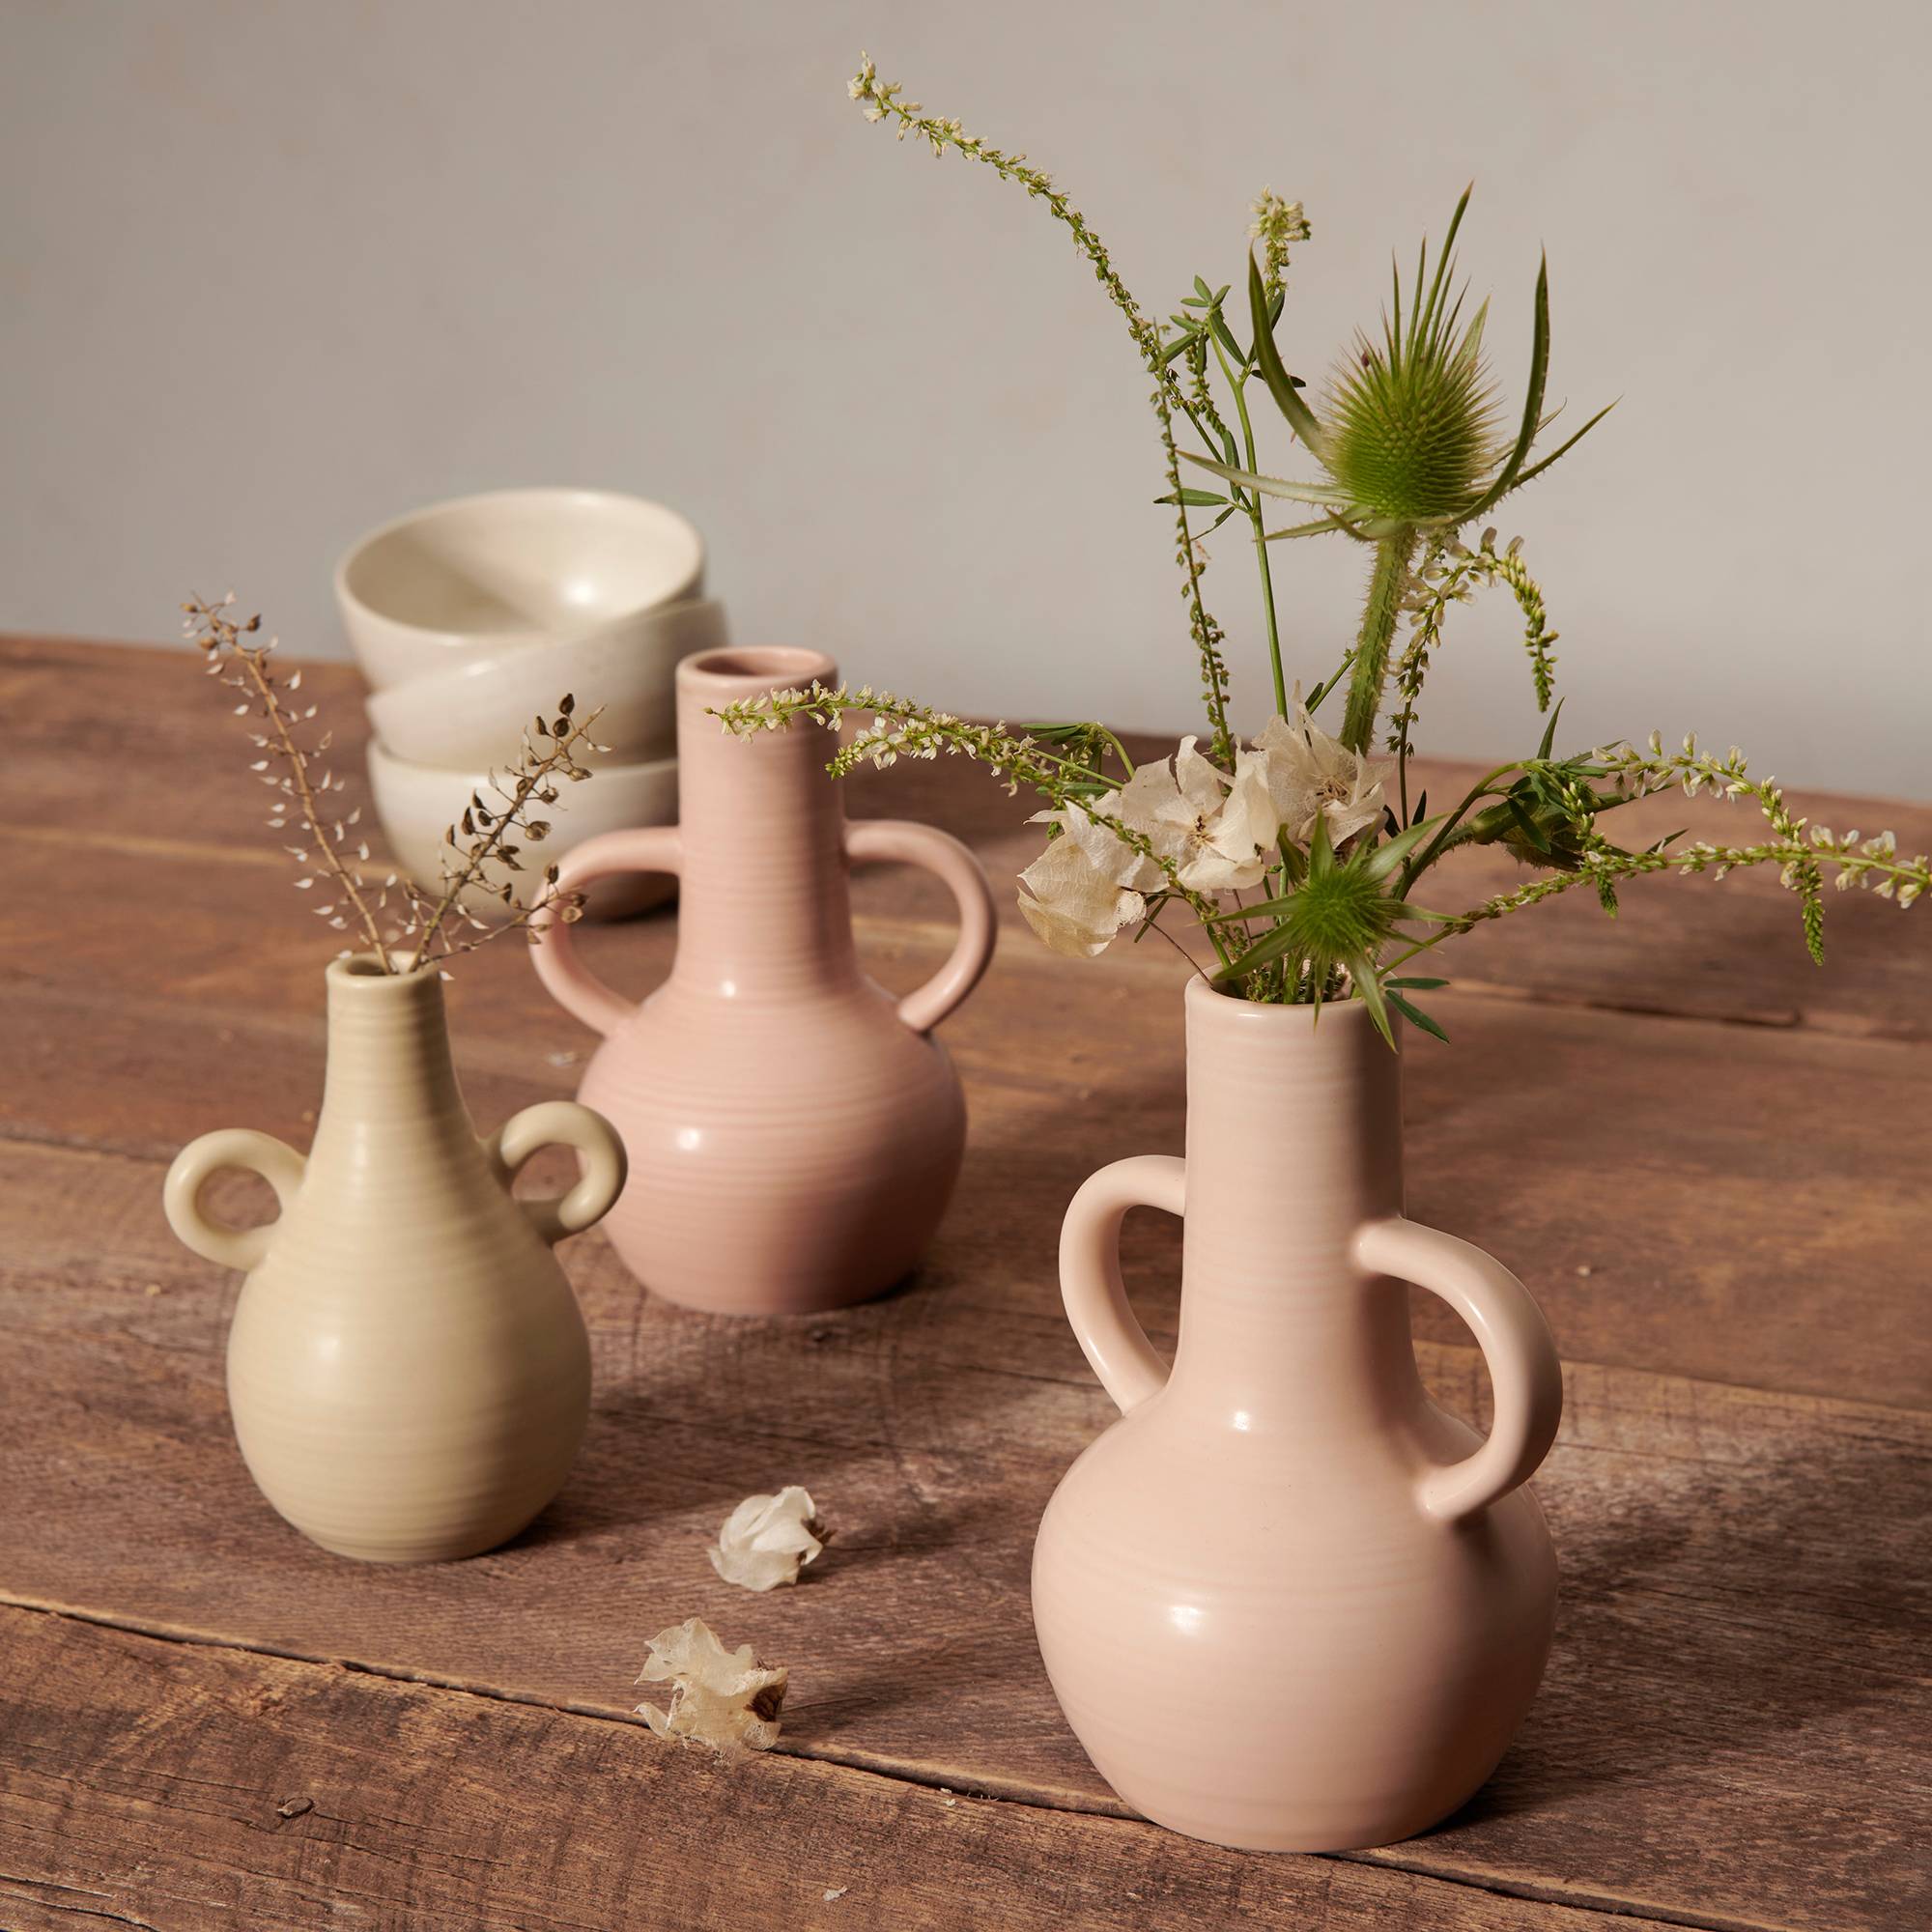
(274, 272)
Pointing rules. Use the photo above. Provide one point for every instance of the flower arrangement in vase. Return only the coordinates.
(1355, 1589)
(408, 1370)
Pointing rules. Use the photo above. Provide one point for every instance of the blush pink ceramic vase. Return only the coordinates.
(794, 1130)
(1287, 1602)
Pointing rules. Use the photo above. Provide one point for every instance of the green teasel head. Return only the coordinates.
(1410, 423)
(1411, 433)
(1337, 916)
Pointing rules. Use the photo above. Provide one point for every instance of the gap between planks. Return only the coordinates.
(1072, 1804)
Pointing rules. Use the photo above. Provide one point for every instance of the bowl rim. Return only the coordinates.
(549, 492)
(457, 680)
(376, 749)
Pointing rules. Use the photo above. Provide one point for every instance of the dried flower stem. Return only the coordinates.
(221, 637)
(532, 777)
(428, 921)
(278, 723)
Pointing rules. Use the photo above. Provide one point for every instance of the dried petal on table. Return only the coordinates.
(724, 1698)
(766, 1540)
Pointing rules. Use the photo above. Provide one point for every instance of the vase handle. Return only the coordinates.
(644, 849)
(275, 1161)
(1116, 1345)
(1524, 1371)
(940, 853)
(564, 1124)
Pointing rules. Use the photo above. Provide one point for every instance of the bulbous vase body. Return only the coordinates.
(794, 1131)
(408, 1369)
(1286, 1604)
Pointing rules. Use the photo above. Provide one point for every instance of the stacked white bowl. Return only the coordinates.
(472, 618)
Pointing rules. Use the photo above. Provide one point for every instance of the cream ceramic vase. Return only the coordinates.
(1286, 1604)
(408, 1369)
(794, 1130)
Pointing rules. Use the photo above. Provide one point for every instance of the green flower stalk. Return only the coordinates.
(1408, 436)
(883, 101)
(1298, 854)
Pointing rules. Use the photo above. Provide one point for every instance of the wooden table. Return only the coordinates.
(1707, 1158)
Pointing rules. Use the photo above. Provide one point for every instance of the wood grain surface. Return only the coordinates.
(1704, 1156)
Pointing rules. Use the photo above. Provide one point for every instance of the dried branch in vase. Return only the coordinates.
(421, 928)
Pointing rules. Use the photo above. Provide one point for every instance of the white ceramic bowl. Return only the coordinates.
(480, 576)
(419, 803)
(473, 716)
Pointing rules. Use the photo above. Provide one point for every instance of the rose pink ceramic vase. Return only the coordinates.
(1286, 1601)
(794, 1130)
(408, 1370)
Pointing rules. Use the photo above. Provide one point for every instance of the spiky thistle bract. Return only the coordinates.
(1409, 439)
(1340, 916)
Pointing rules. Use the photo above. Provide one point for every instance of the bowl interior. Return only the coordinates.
(524, 562)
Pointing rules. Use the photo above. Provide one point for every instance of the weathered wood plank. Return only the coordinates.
(176, 1788)
(1682, 1196)
(109, 730)
(1738, 1697)
(1731, 1731)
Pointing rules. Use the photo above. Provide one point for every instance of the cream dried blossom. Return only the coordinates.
(1311, 773)
(767, 1540)
(1088, 884)
(1074, 908)
(1218, 834)
(1185, 823)
(724, 1698)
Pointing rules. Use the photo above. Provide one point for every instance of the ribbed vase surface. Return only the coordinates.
(794, 1130)
(1287, 1602)
(408, 1369)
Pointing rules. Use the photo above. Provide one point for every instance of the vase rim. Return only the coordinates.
(363, 972)
(747, 668)
(1221, 1008)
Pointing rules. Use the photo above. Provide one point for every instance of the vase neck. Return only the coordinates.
(763, 910)
(1294, 1142)
(391, 1083)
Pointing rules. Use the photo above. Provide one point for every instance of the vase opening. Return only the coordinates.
(765, 664)
(363, 972)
